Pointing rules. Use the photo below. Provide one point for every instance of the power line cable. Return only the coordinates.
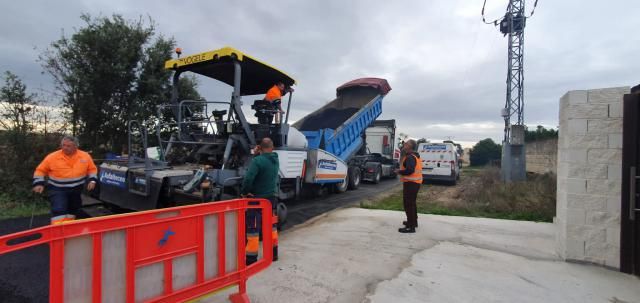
(494, 22)
(535, 4)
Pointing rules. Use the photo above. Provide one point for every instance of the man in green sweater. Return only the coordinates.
(261, 181)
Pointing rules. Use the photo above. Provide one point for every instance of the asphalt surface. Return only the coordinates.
(24, 275)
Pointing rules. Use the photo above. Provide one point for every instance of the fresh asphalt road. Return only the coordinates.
(24, 275)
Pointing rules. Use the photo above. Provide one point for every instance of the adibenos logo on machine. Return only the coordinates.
(328, 164)
(113, 178)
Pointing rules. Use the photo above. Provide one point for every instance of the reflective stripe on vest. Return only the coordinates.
(416, 176)
(64, 171)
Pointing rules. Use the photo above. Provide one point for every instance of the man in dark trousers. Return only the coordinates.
(411, 176)
(64, 172)
(261, 181)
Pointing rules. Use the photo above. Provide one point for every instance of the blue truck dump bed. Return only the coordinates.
(338, 126)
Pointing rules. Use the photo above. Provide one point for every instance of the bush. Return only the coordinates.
(484, 152)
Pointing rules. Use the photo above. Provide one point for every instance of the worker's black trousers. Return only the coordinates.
(65, 201)
(409, 196)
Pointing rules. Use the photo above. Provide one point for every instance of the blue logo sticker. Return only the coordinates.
(328, 164)
(165, 237)
(112, 178)
(434, 147)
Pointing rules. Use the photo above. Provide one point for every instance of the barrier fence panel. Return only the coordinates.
(167, 255)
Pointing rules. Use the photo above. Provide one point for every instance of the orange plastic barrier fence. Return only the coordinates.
(166, 255)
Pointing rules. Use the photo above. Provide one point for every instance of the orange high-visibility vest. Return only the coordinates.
(273, 94)
(417, 171)
(65, 172)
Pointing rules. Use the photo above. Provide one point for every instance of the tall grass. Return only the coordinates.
(483, 194)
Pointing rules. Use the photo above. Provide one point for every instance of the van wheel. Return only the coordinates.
(342, 187)
(354, 177)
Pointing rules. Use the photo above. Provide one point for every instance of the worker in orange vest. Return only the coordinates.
(411, 176)
(274, 95)
(64, 172)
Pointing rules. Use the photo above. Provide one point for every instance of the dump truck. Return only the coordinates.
(339, 126)
(205, 147)
(378, 162)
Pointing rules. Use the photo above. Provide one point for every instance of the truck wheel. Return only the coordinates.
(342, 187)
(378, 176)
(354, 177)
(281, 212)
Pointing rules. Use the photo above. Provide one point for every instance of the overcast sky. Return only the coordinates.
(447, 69)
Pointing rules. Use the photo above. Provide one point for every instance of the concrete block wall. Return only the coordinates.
(542, 156)
(589, 176)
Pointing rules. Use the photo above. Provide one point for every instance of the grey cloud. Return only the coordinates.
(445, 66)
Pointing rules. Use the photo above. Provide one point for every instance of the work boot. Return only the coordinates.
(405, 223)
(275, 253)
(407, 230)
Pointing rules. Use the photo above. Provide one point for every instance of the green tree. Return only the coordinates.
(540, 133)
(484, 151)
(21, 146)
(111, 71)
(17, 114)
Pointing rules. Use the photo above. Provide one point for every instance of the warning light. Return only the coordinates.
(179, 51)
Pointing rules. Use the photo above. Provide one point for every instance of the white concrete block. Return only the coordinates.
(595, 171)
(595, 251)
(578, 232)
(576, 126)
(615, 110)
(613, 236)
(574, 249)
(614, 172)
(603, 187)
(615, 141)
(587, 171)
(604, 126)
(598, 235)
(613, 259)
(588, 202)
(576, 186)
(587, 141)
(574, 155)
(614, 204)
(604, 156)
(563, 170)
(598, 218)
(607, 95)
(576, 216)
(590, 111)
(575, 97)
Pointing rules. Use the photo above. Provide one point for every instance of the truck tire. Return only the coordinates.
(354, 177)
(342, 187)
(377, 176)
(281, 212)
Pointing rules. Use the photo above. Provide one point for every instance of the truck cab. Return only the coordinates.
(440, 161)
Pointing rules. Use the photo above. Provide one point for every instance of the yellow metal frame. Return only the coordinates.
(212, 56)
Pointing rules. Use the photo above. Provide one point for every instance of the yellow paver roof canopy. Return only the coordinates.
(257, 77)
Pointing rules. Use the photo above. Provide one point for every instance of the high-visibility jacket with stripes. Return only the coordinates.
(416, 176)
(61, 172)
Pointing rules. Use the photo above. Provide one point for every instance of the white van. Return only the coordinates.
(439, 161)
